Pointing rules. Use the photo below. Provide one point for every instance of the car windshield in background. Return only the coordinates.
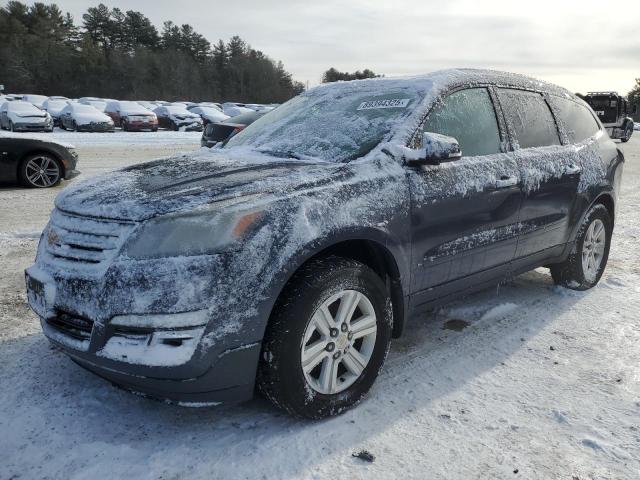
(176, 109)
(84, 109)
(336, 124)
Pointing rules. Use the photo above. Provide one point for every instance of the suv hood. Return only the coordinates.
(186, 182)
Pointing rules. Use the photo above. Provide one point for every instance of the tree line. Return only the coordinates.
(333, 75)
(118, 54)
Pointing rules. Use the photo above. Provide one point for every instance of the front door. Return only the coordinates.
(464, 213)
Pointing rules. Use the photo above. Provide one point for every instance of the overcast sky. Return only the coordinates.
(580, 44)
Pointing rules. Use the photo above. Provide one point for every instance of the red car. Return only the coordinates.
(131, 116)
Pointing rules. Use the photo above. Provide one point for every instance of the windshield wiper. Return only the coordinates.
(281, 154)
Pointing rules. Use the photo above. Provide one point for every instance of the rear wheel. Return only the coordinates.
(588, 259)
(627, 134)
(40, 171)
(327, 339)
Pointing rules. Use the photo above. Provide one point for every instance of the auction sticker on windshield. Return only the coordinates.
(388, 103)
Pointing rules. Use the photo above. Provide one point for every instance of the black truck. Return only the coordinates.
(614, 112)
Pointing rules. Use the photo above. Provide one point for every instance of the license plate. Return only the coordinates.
(37, 295)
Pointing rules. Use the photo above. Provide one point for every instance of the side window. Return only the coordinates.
(576, 119)
(469, 117)
(529, 117)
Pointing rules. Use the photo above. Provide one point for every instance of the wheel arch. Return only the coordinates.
(382, 257)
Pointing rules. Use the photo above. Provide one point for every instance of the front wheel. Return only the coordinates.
(327, 339)
(627, 135)
(588, 258)
(40, 171)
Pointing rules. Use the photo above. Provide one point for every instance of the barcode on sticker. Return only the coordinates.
(389, 103)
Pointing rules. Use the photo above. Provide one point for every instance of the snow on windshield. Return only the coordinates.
(24, 107)
(336, 124)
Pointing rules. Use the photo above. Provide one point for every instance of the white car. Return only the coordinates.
(209, 114)
(54, 107)
(233, 109)
(85, 118)
(20, 116)
(36, 100)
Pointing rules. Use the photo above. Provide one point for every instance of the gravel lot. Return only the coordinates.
(543, 383)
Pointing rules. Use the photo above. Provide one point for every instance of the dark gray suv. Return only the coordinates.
(290, 257)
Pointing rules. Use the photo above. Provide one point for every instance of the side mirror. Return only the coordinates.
(436, 149)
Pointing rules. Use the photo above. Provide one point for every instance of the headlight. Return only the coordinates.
(219, 228)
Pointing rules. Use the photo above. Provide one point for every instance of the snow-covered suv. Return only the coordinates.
(290, 257)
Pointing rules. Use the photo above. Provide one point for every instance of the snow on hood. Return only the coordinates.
(185, 182)
(87, 118)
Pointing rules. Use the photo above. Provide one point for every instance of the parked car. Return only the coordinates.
(614, 112)
(36, 162)
(209, 114)
(233, 109)
(290, 257)
(216, 132)
(636, 126)
(21, 116)
(54, 107)
(100, 105)
(59, 97)
(85, 118)
(177, 117)
(131, 116)
(36, 100)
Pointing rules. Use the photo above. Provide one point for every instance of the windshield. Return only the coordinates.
(24, 107)
(335, 123)
(174, 109)
(80, 108)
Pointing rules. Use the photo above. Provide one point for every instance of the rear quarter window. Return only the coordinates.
(529, 118)
(576, 119)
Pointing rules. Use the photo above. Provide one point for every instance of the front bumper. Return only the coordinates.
(188, 125)
(71, 173)
(140, 125)
(96, 127)
(79, 314)
(33, 127)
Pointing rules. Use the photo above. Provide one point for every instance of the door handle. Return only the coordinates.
(506, 182)
(572, 170)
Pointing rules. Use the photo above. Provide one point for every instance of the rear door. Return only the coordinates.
(549, 170)
(464, 213)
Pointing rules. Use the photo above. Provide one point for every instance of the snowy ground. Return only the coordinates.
(542, 384)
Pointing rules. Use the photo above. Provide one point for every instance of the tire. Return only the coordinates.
(11, 127)
(74, 126)
(280, 374)
(29, 177)
(174, 127)
(125, 127)
(627, 135)
(574, 273)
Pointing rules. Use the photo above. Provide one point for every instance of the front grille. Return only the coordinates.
(72, 325)
(83, 240)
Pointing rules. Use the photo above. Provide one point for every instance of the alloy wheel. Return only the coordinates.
(42, 171)
(593, 249)
(338, 342)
